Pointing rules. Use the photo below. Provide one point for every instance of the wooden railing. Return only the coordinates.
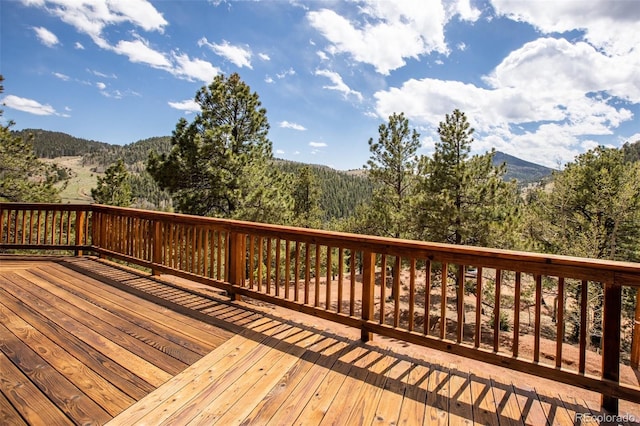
(45, 226)
(556, 317)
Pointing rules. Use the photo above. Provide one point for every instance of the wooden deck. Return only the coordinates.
(85, 342)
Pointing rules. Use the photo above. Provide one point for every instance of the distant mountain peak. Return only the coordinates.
(521, 170)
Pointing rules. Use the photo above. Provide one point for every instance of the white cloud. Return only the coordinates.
(101, 85)
(238, 55)
(46, 37)
(294, 126)
(190, 69)
(633, 138)
(608, 25)
(286, 73)
(61, 76)
(78, 45)
(188, 105)
(550, 95)
(464, 10)
(388, 32)
(264, 56)
(27, 105)
(280, 152)
(91, 17)
(268, 80)
(338, 84)
(318, 144)
(101, 74)
(556, 66)
(139, 51)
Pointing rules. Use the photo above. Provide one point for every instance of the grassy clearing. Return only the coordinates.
(78, 189)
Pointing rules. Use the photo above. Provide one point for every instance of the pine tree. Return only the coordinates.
(113, 188)
(23, 177)
(592, 208)
(220, 164)
(306, 200)
(462, 197)
(392, 170)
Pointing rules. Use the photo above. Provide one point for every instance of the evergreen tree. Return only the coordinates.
(306, 200)
(392, 170)
(23, 177)
(220, 164)
(462, 198)
(113, 188)
(591, 209)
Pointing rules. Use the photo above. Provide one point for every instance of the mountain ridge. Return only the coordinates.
(51, 144)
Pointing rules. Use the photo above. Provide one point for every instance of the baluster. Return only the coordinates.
(479, 290)
(496, 312)
(560, 322)
(427, 296)
(327, 305)
(538, 320)
(516, 314)
(412, 292)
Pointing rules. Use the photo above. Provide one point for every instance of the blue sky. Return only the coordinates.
(541, 80)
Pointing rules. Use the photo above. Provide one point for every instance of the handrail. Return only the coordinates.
(381, 285)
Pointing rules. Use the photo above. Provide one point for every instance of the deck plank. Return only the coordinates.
(414, 403)
(484, 404)
(193, 403)
(26, 398)
(147, 370)
(8, 414)
(96, 387)
(347, 397)
(325, 393)
(143, 313)
(207, 370)
(388, 410)
(309, 387)
(461, 401)
(122, 378)
(273, 371)
(507, 405)
(104, 311)
(64, 394)
(363, 407)
(102, 323)
(283, 390)
(437, 404)
(241, 407)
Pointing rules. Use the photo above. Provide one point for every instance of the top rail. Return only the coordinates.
(557, 317)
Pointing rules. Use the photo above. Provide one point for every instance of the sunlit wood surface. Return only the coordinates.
(84, 342)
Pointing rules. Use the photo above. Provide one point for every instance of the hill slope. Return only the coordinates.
(522, 171)
(48, 144)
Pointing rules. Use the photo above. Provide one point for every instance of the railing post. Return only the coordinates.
(635, 338)
(611, 341)
(80, 219)
(368, 286)
(236, 261)
(2, 225)
(156, 244)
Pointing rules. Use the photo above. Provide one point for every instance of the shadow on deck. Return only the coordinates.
(87, 342)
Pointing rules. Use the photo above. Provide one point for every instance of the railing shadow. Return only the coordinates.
(443, 390)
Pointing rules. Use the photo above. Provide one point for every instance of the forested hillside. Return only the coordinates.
(631, 151)
(523, 171)
(340, 192)
(47, 144)
(134, 154)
